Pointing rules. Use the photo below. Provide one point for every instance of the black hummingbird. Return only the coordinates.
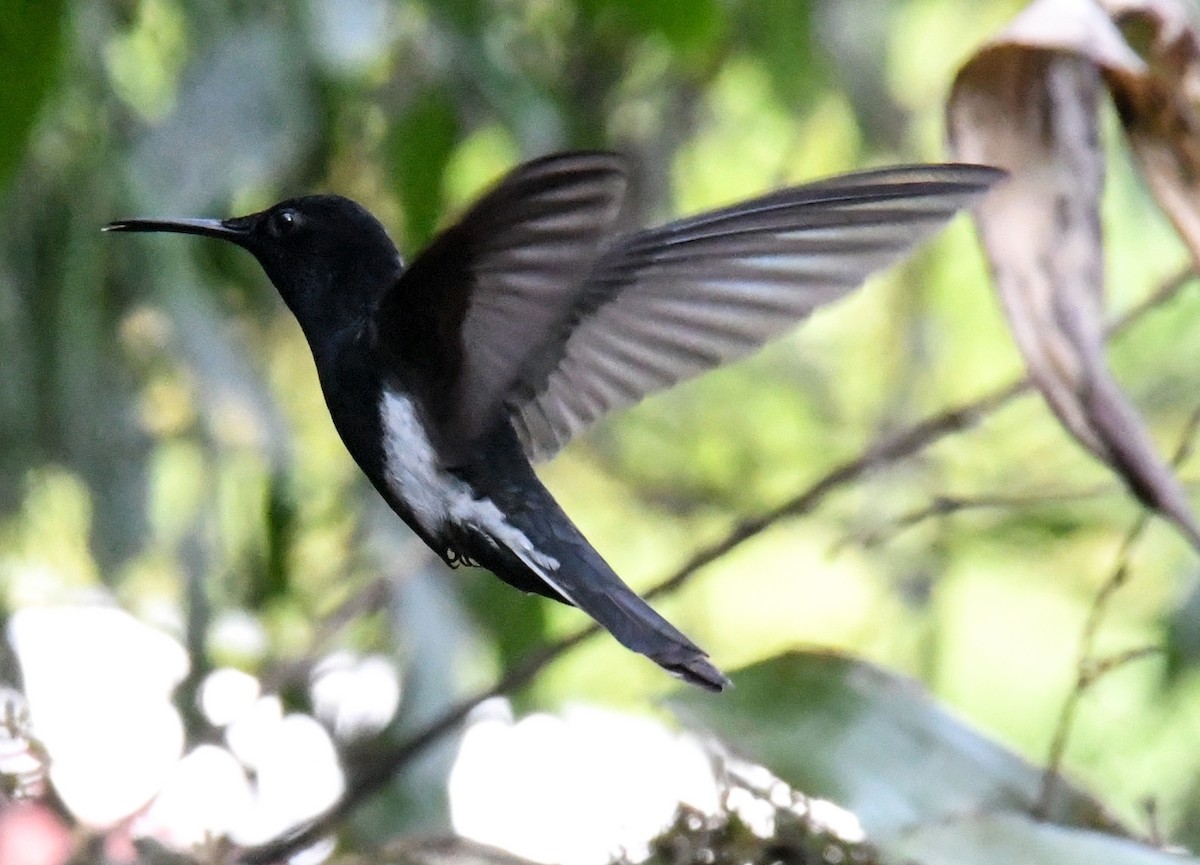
(533, 315)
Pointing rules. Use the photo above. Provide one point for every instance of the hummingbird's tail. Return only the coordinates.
(538, 549)
(559, 563)
(570, 570)
(584, 579)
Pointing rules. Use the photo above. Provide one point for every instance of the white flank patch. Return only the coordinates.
(438, 497)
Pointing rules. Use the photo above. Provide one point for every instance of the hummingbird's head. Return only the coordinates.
(329, 258)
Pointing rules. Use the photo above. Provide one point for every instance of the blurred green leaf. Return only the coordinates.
(31, 34)
(1182, 645)
(418, 150)
(1004, 839)
(515, 621)
(281, 519)
(875, 743)
(466, 15)
(692, 27)
(780, 34)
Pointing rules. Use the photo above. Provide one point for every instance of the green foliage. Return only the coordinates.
(781, 33)
(31, 41)
(419, 146)
(849, 731)
(163, 440)
(691, 27)
(926, 787)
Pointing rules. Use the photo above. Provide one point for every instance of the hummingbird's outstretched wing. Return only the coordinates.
(529, 305)
(498, 287)
(667, 303)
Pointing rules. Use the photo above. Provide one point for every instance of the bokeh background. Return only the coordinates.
(164, 447)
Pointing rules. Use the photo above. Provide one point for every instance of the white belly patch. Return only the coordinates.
(438, 498)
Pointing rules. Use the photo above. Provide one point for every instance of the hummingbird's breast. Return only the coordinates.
(441, 502)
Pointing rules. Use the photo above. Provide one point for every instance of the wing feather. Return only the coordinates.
(498, 288)
(663, 305)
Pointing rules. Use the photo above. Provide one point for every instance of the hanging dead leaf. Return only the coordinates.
(1029, 102)
(1160, 109)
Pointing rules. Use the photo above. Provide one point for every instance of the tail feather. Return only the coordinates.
(599, 592)
(548, 555)
(570, 570)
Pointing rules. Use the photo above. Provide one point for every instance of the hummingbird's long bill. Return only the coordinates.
(203, 227)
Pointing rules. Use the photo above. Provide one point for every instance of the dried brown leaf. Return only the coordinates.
(1029, 102)
(1160, 109)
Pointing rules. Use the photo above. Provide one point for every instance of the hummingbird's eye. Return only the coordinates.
(283, 222)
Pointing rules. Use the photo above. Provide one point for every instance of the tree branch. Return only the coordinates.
(1088, 668)
(946, 505)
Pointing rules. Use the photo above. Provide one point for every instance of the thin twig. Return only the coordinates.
(1097, 669)
(1161, 296)
(1083, 680)
(1088, 668)
(366, 780)
(366, 599)
(369, 776)
(947, 505)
